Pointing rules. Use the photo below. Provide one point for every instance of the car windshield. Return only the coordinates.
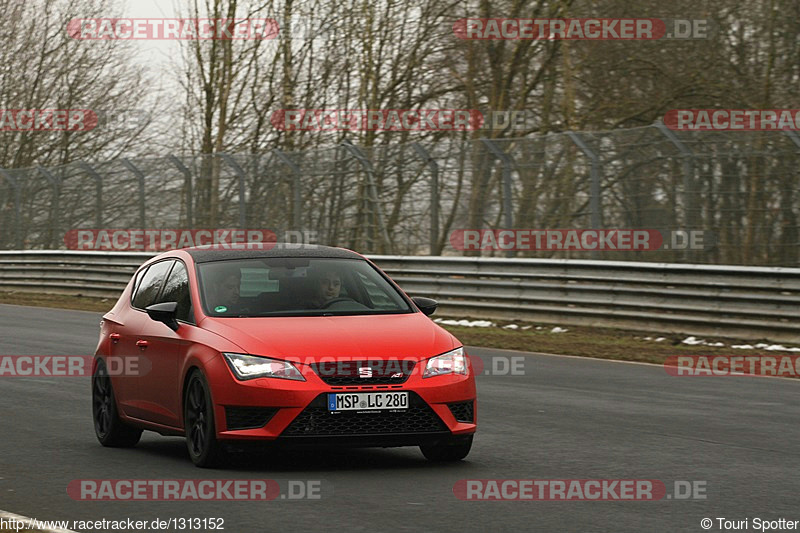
(296, 287)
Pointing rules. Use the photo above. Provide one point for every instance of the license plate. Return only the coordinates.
(360, 401)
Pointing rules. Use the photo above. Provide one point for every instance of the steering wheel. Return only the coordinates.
(336, 300)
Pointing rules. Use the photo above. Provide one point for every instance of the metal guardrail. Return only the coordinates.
(731, 301)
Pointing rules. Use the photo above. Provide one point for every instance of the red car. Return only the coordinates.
(297, 346)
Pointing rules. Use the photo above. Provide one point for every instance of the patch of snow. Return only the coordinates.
(776, 347)
(767, 347)
(558, 330)
(692, 341)
(469, 323)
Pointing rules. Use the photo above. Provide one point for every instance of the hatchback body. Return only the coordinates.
(300, 346)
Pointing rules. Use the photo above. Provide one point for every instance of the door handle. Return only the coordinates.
(141, 344)
(114, 337)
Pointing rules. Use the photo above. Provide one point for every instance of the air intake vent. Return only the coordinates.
(248, 417)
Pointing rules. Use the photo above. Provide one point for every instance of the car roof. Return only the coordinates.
(225, 253)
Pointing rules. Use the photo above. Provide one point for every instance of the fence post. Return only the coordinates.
(98, 193)
(240, 173)
(594, 198)
(17, 207)
(373, 193)
(507, 163)
(435, 249)
(297, 220)
(189, 189)
(55, 208)
(140, 176)
(689, 196)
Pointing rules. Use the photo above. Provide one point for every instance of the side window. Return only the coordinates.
(177, 290)
(138, 281)
(151, 284)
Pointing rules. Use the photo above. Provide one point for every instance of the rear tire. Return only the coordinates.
(111, 431)
(448, 451)
(198, 418)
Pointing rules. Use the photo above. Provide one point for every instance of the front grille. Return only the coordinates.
(464, 412)
(315, 420)
(248, 417)
(375, 372)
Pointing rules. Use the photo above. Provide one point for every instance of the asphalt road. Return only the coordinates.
(565, 418)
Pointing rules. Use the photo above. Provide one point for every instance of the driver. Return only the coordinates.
(326, 287)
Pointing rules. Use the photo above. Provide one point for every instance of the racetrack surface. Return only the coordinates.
(565, 418)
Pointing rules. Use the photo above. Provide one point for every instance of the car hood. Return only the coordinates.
(310, 339)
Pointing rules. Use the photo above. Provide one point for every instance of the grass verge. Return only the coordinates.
(600, 343)
(59, 301)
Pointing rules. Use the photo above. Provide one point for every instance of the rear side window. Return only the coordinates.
(138, 281)
(151, 284)
(177, 290)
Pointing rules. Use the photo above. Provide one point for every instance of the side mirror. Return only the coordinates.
(164, 312)
(426, 305)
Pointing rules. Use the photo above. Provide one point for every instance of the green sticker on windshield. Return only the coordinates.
(220, 309)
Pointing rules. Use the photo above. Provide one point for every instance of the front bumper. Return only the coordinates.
(295, 412)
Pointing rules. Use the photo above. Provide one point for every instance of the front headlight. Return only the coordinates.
(252, 366)
(454, 362)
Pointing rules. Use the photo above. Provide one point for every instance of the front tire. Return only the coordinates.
(201, 441)
(447, 451)
(111, 431)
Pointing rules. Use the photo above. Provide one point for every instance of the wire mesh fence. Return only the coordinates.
(738, 190)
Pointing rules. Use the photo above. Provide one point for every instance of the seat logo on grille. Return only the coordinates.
(365, 372)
